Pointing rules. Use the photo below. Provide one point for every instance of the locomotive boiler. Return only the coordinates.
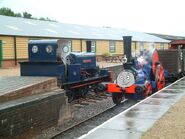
(76, 72)
(141, 76)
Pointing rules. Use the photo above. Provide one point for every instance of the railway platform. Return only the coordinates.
(29, 104)
(138, 119)
(15, 87)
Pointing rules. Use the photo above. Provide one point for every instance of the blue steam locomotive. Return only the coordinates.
(76, 72)
(141, 76)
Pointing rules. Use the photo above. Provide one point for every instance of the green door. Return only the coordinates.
(1, 53)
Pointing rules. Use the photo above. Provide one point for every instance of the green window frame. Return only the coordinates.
(112, 46)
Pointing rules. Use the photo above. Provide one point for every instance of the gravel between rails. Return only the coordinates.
(80, 113)
(95, 121)
(83, 112)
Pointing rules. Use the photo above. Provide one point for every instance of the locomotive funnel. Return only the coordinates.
(127, 41)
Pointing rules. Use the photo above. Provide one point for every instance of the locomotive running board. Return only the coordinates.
(91, 81)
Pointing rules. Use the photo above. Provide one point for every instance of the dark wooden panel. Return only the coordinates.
(170, 60)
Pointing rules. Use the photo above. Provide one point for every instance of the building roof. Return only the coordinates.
(36, 28)
(168, 37)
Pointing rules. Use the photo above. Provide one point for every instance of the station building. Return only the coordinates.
(15, 34)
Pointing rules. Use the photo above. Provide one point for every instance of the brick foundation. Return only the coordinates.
(28, 116)
(11, 63)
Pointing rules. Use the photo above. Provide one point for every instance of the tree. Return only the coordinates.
(9, 12)
(27, 15)
(6, 11)
(18, 15)
(42, 18)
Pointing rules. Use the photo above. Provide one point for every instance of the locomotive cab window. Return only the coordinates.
(35, 49)
(49, 49)
(112, 46)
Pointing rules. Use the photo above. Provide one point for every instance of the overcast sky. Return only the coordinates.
(156, 16)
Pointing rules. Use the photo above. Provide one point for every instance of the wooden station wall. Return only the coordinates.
(102, 46)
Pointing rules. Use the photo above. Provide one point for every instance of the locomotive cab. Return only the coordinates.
(48, 50)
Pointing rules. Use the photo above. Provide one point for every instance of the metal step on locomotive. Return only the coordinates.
(77, 72)
(141, 76)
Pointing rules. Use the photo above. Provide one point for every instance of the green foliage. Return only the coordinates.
(106, 54)
(27, 15)
(8, 12)
(46, 19)
(18, 15)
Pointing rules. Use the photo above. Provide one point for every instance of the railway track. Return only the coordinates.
(59, 134)
(81, 104)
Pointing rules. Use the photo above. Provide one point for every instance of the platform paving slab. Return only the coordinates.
(17, 87)
(135, 121)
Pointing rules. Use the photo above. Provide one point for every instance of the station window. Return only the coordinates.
(93, 46)
(162, 46)
(141, 46)
(151, 45)
(70, 45)
(112, 46)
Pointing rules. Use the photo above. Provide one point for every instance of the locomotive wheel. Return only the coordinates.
(148, 90)
(159, 77)
(117, 98)
(99, 88)
(83, 91)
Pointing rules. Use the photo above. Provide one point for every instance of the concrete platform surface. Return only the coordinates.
(135, 121)
(17, 87)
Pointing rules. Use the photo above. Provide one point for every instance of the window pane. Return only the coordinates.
(141, 46)
(70, 43)
(162, 46)
(112, 46)
(151, 45)
(93, 46)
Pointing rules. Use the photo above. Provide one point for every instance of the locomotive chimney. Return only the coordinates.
(127, 41)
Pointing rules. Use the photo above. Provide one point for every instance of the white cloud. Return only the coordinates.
(159, 16)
